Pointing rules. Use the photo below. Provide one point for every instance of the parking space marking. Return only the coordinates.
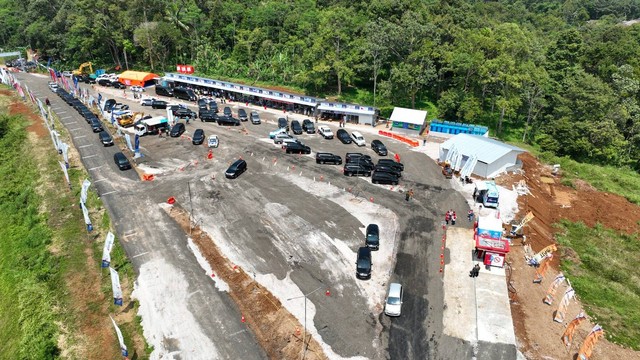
(66, 117)
(89, 156)
(84, 146)
(103, 179)
(97, 167)
(60, 112)
(80, 137)
(144, 253)
(75, 129)
(107, 193)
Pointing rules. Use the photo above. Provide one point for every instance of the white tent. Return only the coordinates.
(408, 119)
(491, 156)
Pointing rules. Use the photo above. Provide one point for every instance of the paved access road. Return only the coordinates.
(274, 220)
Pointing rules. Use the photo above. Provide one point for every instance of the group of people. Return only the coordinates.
(451, 216)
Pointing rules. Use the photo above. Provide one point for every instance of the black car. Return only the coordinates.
(183, 113)
(344, 136)
(158, 104)
(213, 106)
(227, 111)
(90, 118)
(328, 158)
(380, 177)
(379, 148)
(96, 125)
(363, 263)
(105, 82)
(388, 169)
(360, 159)
(109, 104)
(164, 91)
(255, 118)
(389, 162)
(177, 130)
(121, 161)
(242, 115)
(228, 120)
(203, 104)
(372, 237)
(283, 124)
(208, 116)
(105, 138)
(118, 85)
(297, 148)
(356, 169)
(296, 127)
(308, 127)
(237, 168)
(198, 137)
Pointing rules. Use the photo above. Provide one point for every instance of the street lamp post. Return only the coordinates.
(304, 336)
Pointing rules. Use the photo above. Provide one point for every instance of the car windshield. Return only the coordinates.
(393, 301)
(363, 264)
(372, 237)
(492, 200)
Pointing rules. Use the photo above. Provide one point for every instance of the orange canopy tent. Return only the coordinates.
(139, 78)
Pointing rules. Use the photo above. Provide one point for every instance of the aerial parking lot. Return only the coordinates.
(294, 224)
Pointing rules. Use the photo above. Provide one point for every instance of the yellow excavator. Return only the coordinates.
(127, 120)
(81, 69)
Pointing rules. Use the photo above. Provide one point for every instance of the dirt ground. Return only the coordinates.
(278, 331)
(538, 335)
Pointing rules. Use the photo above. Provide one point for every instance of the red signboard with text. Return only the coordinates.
(184, 69)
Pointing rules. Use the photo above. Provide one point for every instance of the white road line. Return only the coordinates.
(99, 179)
(66, 117)
(89, 156)
(75, 129)
(144, 253)
(80, 137)
(84, 146)
(60, 112)
(97, 167)
(107, 193)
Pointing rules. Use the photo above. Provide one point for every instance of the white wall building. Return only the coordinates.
(474, 154)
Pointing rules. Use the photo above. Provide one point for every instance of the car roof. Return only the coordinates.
(364, 251)
(356, 133)
(373, 227)
(237, 162)
(394, 289)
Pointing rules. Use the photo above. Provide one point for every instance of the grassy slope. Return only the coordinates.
(603, 268)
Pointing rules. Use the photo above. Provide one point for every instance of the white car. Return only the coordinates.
(67, 73)
(213, 141)
(53, 86)
(273, 134)
(136, 88)
(393, 305)
(358, 138)
(325, 131)
(146, 101)
(280, 138)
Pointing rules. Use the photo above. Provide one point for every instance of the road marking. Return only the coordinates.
(193, 293)
(66, 117)
(84, 146)
(238, 332)
(80, 137)
(144, 253)
(60, 112)
(104, 179)
(75, 129)
(89, 156)
(97, 167)
(107, 193)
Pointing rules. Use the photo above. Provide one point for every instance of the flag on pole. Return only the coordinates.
(83, 192)
(123, 347)
(590, 342)
(567, 336)
(106, 251)
(87, 220)
(562, 308)
(115, 286)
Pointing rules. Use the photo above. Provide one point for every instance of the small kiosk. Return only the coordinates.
(491, 248)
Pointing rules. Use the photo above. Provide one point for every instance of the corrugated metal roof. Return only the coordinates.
(487, 150)
(410, 116)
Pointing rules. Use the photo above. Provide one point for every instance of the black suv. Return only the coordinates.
(379, 148)
(237, 168)
(203, 104)
(183, 113)
(379, 177)
(389, 162)
(104, 82)
(121, 161)
(208, 115)
(96, 125)
(308, 127)
(283, 123)
(227, 111)
(228, 120)
(177, 130)
(359, 159)
(296, 127)
(324, 158)
(372, 237)
(344, 136)
(388, 169)
(158, 104)
(357, 169)
(297, 148)
(105, 138)
(363, 264)
(198, 137)
(242, 115)
(118, 85)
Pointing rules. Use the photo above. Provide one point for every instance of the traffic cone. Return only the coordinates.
(243, 319)
(327, 293)
(371, 199)
(171, 200)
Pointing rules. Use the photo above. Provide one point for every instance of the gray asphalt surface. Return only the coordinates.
(265, 214)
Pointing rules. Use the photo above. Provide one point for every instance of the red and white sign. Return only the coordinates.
(184, 69)
(493, 259)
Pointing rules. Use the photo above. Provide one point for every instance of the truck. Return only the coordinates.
(151, 126)
(486, 192)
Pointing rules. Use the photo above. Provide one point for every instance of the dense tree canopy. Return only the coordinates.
(562, 74)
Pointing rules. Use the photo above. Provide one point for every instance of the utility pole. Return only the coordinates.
(304, 337)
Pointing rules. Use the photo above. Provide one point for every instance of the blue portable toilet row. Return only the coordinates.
(454, 128)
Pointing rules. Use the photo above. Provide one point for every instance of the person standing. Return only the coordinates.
(470, 215)
(447, 217)
(453, 218)
(409, 195)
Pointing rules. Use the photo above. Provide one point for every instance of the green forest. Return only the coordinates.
(561, 75)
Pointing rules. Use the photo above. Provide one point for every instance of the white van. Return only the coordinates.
(393, 305)
(358, 138)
